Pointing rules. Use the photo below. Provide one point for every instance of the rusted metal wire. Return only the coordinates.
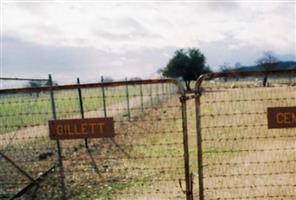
(22, 79)
(88, 86)
(146, 154)
(23, 172)
(234, 142)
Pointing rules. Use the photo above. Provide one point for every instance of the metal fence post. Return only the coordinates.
(162, 91)
(157, 94)
(104, 98)
(59, 149)
(127, 101)
(81, 108)
(188, 177)
(142, 101)
(167, 90)
(199, 148)
(151, 97)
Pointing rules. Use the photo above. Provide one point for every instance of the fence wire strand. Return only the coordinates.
(242, 158)
(143, 160)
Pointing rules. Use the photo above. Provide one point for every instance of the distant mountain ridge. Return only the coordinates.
(284, 65)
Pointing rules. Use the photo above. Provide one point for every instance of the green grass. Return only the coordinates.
(25, 110)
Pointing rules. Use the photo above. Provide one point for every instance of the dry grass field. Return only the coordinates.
(243, 159)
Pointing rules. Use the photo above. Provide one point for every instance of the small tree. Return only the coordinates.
(267, 62)
(37, 83)
(106, 79)
(188, 64)
(237, 65)
(135, 78)
(225, 67)
(34, 84)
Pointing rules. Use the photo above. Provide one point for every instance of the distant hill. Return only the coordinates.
(287, 65)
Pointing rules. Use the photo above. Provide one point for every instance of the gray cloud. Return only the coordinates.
(128, 22)
(133, 30)
(34, 7)
(223, 6)
(28, 59)
(112, 36)
(231, 50)
(25, 59)
(136, 34)
(20, 53)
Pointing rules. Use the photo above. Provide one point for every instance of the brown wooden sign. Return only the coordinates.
(81, 128)
(281, 117)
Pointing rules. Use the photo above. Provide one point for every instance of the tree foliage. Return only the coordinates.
(106, 79)
(225, 67)
(34, 84)
(37, 83)
(189, 65)
(267, 62)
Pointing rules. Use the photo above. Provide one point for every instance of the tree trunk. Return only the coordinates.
(265, 80)
(187, 83)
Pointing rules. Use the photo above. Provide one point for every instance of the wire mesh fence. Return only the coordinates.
(23, 139)
(239, 157)
(232, 152)
(143, 161)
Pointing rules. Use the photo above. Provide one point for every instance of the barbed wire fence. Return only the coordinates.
(144, 159)
(238, 156)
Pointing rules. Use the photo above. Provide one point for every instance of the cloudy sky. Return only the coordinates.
(135, 38)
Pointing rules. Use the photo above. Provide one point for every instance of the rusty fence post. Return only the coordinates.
(81, 108)
(168, 90)
(151, 95)
(58, 145)
(104, 98)
(162, 92)
(141, 96)
(127, 101)
(188, 178)
(157, 93)
(199, 147)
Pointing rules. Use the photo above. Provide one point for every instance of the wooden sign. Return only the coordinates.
(81, 128)
(281, 117)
